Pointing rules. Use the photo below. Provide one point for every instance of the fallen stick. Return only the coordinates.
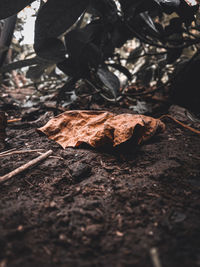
(180, 123)
(155, 257)
(7, 151)
(25, 166)
(20, 152)
(14, 120)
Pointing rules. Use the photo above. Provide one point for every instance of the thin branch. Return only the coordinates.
(155, 257)
(143, 55)
(167, 47)
(20, 152)
(170, 81)
(14, 120)
(102, 95)
(24, 167)
(24, 63)
(180, 123)
(5, 152)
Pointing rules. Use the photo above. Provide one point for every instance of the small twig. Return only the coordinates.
(102, 95)
(87, 95)
(153, 91)
(25, 166)
(188, 42)
(180, 123)
(5, 152)
(56, 157)
(14, 120)
(155, 257)
(19, 152)
(29, 183)
(143, 55)
(52, 157)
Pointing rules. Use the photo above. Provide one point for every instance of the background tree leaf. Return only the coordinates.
(10, 7)
(110, 80)
(122, 69)
(6, 36)
(81, 48)
(149, 22)
(55, 17)
(52, 49)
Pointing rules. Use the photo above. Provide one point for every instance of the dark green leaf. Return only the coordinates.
(55, 17)
(110, 80)
(122, 69)
(149, 23)
(6, 36)
(135, 54)
(173, 55)
(51, 49)
(168, 3)
(11, 7)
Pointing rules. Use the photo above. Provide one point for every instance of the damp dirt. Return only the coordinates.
(85, 207)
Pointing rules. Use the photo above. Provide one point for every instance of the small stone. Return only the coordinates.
(120, 234)
(178, 217)
(150, 233)
(62, 237)
(20, 228)
(93, 230)
(3, 263)
(78, 189)
(156, 224)
(80, 171)
(52, 204)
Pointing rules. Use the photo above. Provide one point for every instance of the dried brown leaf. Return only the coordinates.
(100, 128)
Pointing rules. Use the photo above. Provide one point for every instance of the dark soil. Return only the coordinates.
(83, 207)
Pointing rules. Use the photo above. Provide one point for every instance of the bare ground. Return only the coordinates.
(83, 207)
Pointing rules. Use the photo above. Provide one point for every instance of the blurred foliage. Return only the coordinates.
(109, 45)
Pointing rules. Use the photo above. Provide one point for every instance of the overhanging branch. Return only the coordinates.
(24, 63)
